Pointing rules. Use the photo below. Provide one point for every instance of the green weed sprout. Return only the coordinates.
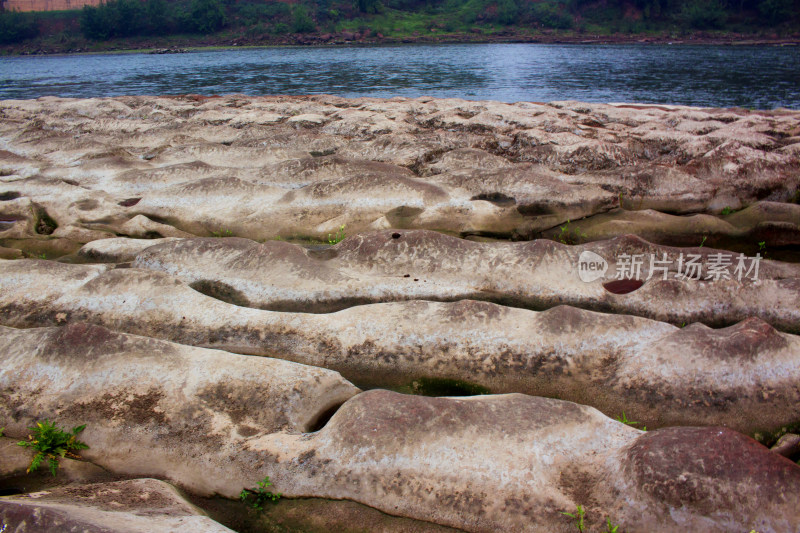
(624, 420)
(259, 495)
(578, 516)
(339, 237)
(52, 443)
(570, 235)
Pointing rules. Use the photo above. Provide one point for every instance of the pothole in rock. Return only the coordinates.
(623, 286)
(44, 223)
(129, 202)
(220, 291)
(323, 418)
(9, 195)
(498, 199)
(443, 387)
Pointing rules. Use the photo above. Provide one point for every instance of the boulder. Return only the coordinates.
(155, 408)
(134, 506)
(788, 445)
(516, 463)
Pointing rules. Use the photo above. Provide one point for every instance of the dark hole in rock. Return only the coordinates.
(623, 286)
(11, 491)
(220, 291)
(322, 153)
(396, 235)
(153, 235)
(446, 387)
(71, 182)
(9, 195)
(128, 202)
(497, 198)
(534, 210)
(406, 275)
(323, 418)
(45, 225)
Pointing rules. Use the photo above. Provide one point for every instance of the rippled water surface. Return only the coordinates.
(760, 77)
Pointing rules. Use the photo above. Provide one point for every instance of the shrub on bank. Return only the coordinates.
(704, 14)
(16, 27)
(130, 18)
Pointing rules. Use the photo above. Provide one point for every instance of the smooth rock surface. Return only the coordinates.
(788, 445)
(150, 405)
(135, 506)
(117, 250)
(405, 265)
(515, 463)
(744, 376)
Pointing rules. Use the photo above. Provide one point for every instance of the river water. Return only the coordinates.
(718, 76)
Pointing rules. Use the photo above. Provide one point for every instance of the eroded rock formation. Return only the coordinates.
(287, 167)
(404, 265)
(214, 362)
(744, 376)
(149, 405)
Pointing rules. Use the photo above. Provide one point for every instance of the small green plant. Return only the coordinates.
(339, 237)
(624, 420)
(570, 235)
(703, 241)
(610, 528)
(257, 497)
(726, 210)
(579, 517)
(762, 248)
(222, 233)
(52, 443)
(1, 431)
